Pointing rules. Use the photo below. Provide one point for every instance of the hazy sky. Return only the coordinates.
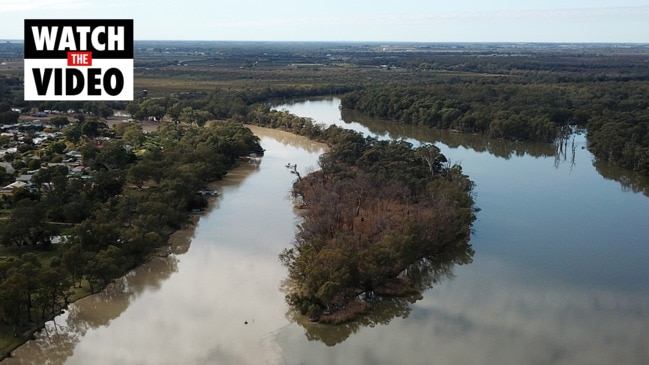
(350, 20)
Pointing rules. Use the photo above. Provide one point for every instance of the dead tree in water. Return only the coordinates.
(293, 168)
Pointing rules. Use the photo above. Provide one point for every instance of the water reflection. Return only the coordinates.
(57, 341)
(383, 311)
(563, 152)
(423, 275)
(631, 181)
(493, 313)
(327, 111)
(476, 142)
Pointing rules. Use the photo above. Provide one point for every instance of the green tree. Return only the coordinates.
(187, 115)
(89, 152)
(59, 121)
(433, 157)
(133, 107)
(202, 116)
(134, 135)
(156, 111)
(13, 292)
(105, 266)
(26, 225)
(93, 128)
(73, 132)
(57, 147)
(174, 112)
(104, 110)
(114, 154)
(73, 260)
(107, 184)
(52, 292)
(138, 174)
(9, 117)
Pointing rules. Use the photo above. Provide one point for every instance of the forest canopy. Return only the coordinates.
(375, 209)
(616, 113)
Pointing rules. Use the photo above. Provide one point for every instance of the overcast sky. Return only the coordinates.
(351, 20)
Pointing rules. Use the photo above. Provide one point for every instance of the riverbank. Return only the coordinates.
(177, 243)
(229, 276)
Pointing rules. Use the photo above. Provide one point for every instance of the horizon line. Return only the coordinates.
(13, 40)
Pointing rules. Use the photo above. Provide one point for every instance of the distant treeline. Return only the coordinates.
(615, 113)
(511, 91)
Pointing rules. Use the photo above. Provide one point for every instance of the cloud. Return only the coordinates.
(575, 13)
(22, 5)
(386, 19)
(546, 14)
(27, 5)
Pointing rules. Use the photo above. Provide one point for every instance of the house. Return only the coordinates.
(78, 170)
(58, 239)
(73, 153)
(8, 190)
(27, 179)
(8, 168)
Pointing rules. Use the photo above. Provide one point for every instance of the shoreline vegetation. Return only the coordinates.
(137, 198)
(178, 241)
(136, 188)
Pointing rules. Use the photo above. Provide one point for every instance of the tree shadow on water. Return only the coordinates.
(423, 275)
(56, 342)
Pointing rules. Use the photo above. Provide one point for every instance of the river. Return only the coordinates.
(558, 272)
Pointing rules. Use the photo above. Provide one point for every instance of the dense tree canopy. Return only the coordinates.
(373, 210)
(616, 113)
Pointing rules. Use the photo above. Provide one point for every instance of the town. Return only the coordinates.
(22, 144)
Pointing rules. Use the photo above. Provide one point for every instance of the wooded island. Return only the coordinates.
(372, 212)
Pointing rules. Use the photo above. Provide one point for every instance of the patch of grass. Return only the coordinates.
(45, 256)
(80, 292)
(8, 342)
